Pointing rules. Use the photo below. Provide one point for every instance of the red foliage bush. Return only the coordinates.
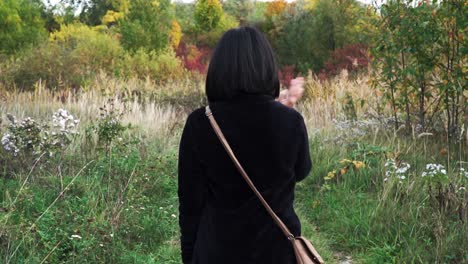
(193, 57)
(353, 57)
(286, 74)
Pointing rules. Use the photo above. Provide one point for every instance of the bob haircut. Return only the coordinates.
(243, 62)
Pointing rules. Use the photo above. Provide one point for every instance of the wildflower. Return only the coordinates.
(111, 235)
(358, 164)
(75, 236)
(173, 215)
(462, 172)
(434, 170)
(398, 171)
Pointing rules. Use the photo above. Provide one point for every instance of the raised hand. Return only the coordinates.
(290, 96)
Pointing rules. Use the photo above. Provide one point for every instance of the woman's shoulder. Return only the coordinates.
(287, 112)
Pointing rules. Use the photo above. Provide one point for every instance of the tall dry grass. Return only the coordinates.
(156, 109)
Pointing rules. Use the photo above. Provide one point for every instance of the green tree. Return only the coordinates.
(147, 25)
(419, 62)
(306, 33)
(240, 9)
(21, 24)
(207, 14)
(92, 11)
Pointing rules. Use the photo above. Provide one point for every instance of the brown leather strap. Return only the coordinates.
(228, 149)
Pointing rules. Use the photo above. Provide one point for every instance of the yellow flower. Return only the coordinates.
(345, 161)
(343, 171)
(358, 164)
(330, 175)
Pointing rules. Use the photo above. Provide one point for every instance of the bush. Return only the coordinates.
(93, 50)
(194, 58)
(71, 57)
(77, 53)
(353, 58)
(158, 66)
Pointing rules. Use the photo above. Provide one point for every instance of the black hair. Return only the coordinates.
(243, 62)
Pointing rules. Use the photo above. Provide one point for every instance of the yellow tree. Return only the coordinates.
(208, 13)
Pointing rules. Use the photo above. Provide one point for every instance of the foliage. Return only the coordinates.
(28, 140)
(380, 206)
(286, 74)
(353, 58)
(158, 66)
(307, 37)
(176, 34)
(207, 14)
(240, 9)
(95, 12)
(21, 24)
(147, 25)
(211, 38)
(420, 60)
(71, 57)
(194, 59)
(275, 8)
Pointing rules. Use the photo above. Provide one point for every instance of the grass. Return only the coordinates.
(116, 202)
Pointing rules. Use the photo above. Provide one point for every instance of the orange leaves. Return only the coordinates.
(275, 8)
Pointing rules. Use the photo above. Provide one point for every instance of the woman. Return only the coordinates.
(221, 219)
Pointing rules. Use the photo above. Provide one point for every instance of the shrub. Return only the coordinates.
(194, 58)
(286, 74)
(353, 58)
(420, 62)
(159, 66)
(29, 141)
(92, 50)
(71, 57)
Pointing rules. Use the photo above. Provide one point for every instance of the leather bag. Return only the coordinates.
(304, 251)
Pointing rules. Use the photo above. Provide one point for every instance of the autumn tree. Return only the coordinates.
(207, 14)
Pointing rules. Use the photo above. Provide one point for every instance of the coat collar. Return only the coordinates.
(248, 98)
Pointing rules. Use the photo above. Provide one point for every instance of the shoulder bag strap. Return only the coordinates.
(228, 149)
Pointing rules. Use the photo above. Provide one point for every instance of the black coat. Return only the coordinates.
(221, 219)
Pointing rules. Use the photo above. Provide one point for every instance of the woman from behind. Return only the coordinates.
(221, 219)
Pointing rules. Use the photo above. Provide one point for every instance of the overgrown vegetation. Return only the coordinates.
(94, 94)
(420, 63)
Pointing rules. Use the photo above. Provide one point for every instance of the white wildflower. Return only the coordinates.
(76, 236)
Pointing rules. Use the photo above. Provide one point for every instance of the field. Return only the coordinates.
(109, 193)
(94, 95)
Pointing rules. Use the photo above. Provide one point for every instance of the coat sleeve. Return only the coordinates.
(191, 190)
(303, 163)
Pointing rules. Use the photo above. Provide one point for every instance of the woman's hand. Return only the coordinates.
(290, 96)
